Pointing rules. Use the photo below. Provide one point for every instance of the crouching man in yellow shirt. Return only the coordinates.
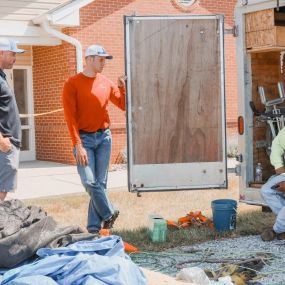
(273, 192)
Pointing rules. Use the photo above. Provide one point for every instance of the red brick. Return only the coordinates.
(102, 22)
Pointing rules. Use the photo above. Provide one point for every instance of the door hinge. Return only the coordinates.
(233, 31)
(239, 157)
(238, 170)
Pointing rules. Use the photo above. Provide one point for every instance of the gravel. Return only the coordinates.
(273, 271)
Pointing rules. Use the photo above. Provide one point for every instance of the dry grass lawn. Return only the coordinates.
(134, 211)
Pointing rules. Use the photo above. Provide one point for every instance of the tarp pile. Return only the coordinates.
(23, 230)
(98, 262)
(66, 255)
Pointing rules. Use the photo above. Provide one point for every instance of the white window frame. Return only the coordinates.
(28, 155)
(185, 3)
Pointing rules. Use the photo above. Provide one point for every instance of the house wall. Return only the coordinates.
(25, 58)
(102, 23)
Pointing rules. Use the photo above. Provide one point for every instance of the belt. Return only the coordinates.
(98, 131)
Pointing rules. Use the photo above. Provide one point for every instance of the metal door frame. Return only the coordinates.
(178, 166)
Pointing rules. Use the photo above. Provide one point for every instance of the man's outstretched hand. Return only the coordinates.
(121, 81)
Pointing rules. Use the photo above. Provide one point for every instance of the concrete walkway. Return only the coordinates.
(42, 179)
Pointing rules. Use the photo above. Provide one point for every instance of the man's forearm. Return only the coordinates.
(280, 170)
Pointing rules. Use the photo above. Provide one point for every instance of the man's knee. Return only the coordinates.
(91, 185)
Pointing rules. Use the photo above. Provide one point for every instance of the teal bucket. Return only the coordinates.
(224, 214)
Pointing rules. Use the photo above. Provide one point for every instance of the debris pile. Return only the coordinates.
(191, 218)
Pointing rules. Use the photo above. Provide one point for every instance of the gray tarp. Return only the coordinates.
(23, 230)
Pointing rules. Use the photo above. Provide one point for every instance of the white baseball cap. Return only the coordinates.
(9, 45)
(97, 50)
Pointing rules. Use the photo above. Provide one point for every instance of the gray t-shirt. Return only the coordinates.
(10, 124)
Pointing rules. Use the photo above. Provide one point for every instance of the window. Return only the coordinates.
(185, 3)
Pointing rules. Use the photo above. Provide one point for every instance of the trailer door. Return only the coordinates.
(175, 102)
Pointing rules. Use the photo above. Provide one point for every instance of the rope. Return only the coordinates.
(40, 114)
(167, 262)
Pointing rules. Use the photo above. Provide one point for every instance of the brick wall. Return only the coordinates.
(265, 72)
(51, 66)
(102, 22)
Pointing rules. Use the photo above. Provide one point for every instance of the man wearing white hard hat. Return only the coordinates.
(10, 124)
(85, 99)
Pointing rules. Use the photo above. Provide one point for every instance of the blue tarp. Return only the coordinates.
(97, 262)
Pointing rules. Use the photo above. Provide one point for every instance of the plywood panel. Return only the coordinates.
(26, 57)
(260, 20)
(272, 37)
(261, 38)
(280, 36)
(176, 94)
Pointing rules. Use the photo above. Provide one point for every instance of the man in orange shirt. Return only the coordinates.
(85, 99)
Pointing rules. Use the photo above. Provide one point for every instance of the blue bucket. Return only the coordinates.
(224, 214)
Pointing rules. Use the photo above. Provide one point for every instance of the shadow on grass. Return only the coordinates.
(250, 223)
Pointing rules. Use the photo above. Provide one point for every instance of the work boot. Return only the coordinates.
(108, 224)
(94, 232)
(268, 235)
(280, 236)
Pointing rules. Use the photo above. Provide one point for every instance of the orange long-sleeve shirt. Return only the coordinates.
(85, 102)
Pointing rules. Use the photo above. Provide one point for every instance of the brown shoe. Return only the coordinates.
(268, 235)
(280, 236)
(110, 222)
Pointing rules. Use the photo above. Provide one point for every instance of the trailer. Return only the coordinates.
(176, 98)
(260, 29)
(175, 102)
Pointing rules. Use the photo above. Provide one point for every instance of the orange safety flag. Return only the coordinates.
(130, 248)
(104, 232)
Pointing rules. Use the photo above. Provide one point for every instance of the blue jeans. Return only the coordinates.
(94, 176)
(276, 201)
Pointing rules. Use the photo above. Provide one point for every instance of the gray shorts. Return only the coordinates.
(9, 164)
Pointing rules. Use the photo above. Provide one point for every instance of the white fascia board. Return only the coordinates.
(20, 28)
(242, 3)
(256, 5)
(36, 41)
(67, 10)
(25, 33)
(71, 20)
